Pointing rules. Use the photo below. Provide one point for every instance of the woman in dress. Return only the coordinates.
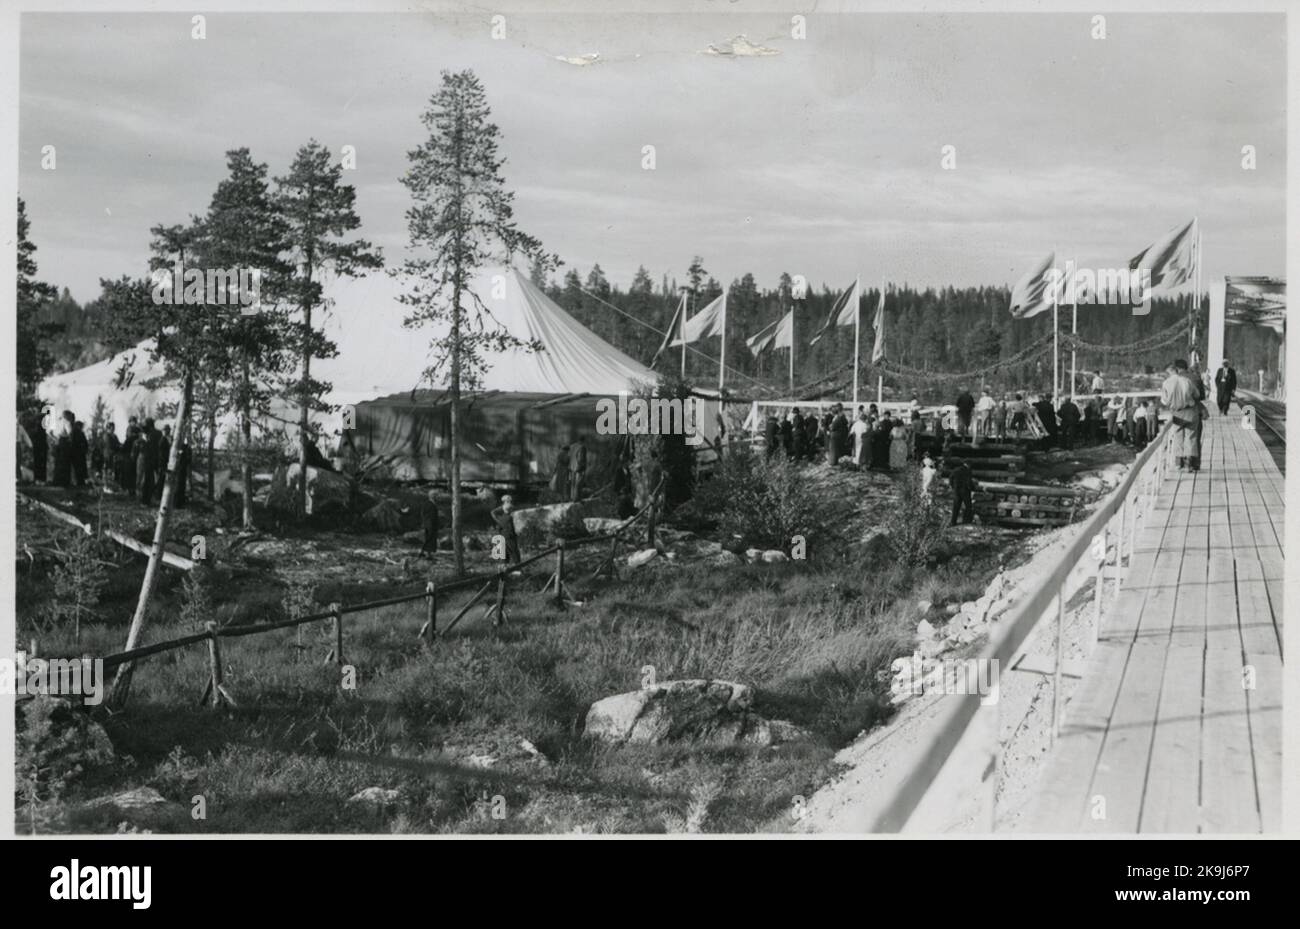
(861, 433)
(898, 446)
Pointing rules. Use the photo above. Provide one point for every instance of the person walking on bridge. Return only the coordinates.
(1225, 385)
(1182, 395)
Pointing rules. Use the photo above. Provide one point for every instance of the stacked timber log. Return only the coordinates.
(988, 461)
(1028, 505)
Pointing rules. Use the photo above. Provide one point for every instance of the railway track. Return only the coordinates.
(1270, 421)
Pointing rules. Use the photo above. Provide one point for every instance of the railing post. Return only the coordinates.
(1056, 674)
(1119, 546)
(1098, 584)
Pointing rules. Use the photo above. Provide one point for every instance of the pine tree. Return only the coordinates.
(244, 229)
(461, 216)
(34, 358)
(320, 211)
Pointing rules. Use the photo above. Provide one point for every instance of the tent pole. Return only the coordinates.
(1056, 338)
(682, 329)
(722, 361)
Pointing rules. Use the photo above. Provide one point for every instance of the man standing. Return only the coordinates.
(983, 415)
(40, 448)
(146, 461)
(1182, 396)
(965, 405)
(164, 454)
(505, 522)
(1047, 416)
(577, 468)
(962, 485)
(1069, 422)
(429, 523)
(798, 436)
(80, 449)
(63, 450)
(771, 434)
(1098, 385)
(1225, 385)
(839, 438)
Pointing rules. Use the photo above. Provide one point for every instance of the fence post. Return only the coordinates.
(499, 609)
(337, 609)
(214, 663)
(431, 610)
(559, 574)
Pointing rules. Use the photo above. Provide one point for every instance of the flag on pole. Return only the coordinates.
(779, 334)
(706, 323)
(1170, 259)
(673, 326)
(878, 350)
(1035, 291)
(843, 313)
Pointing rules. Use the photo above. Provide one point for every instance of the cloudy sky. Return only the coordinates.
(822, 158)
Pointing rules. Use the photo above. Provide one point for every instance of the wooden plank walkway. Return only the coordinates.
(1176, 726)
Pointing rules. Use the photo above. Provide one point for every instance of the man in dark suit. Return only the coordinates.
(146, 461)
(1225, 385)
(963, 485)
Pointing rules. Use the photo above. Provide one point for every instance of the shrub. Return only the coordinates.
(766, 501)
(914, 526)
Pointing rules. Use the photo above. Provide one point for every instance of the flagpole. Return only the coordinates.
(880, 377)
(791, 349)
(1074, 331)
(857, 332)
(1056, 337)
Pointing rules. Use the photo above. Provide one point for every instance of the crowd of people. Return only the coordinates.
(873, 439)
(135, 465)
(887, 441)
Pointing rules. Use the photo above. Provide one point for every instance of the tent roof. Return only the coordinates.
(379, 356)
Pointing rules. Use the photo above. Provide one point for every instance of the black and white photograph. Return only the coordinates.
(610, 420)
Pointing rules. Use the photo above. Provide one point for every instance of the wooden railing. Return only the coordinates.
(216, 692)
(1099, 548)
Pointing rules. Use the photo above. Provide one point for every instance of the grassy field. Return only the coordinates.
(445, 725)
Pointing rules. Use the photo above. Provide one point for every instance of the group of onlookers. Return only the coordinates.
(137, 465)
(872, 439)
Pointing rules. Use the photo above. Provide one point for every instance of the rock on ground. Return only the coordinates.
(376, 796)
(645, 556)
(699, 711)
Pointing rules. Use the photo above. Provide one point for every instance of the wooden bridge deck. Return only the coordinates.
(1161, 735)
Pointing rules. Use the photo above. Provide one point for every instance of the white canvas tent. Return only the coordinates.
(378, 356)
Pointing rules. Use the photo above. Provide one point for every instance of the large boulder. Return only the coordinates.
(326, 490)
(384, 516)
(697, 711)
(556, 520)
(142, 809)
